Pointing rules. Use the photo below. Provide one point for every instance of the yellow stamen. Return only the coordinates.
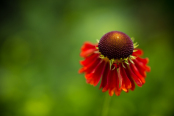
(136, 45)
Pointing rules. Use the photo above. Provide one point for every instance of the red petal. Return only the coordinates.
(87, 46)
(138, 52)
(143, 60)
(135, 71)
(142, 63)
(91, 66)
(112, 82)
(141, 68)
(132, 75)
(89, 59)
(106, 87)
(87, 52)
(118, 89)
(87, 49)
(94, 77)
(126, 83)
(104, 77)
(132, 82)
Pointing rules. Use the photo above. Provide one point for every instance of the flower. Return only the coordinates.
(116, 61)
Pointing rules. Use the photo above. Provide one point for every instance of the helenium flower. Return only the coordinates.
(115, 59)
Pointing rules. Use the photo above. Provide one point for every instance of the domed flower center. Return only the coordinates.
(115, 45)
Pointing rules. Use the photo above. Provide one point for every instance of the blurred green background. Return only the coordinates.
(40, 42)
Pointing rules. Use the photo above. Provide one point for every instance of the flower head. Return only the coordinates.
(116, 61)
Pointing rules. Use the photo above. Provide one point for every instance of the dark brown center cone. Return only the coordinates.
(115, 45)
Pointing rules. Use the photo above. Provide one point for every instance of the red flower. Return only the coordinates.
(116, 60)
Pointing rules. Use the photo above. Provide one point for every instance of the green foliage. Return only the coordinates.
(39, 57)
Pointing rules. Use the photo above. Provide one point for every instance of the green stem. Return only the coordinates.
(106, 105)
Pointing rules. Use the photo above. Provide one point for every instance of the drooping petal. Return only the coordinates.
(94, 77)
(130, 74)
(105, 75)
(87, 46)
(112, 82)
(87, 49)
(89, 59)
(117, 88)
(91, 66)
(143, 60)
(142, 63)
(87, 52)
(138, 52)
(126, 83)
(140, 68)
(131, 80)
(136, 72)
(106, 87)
